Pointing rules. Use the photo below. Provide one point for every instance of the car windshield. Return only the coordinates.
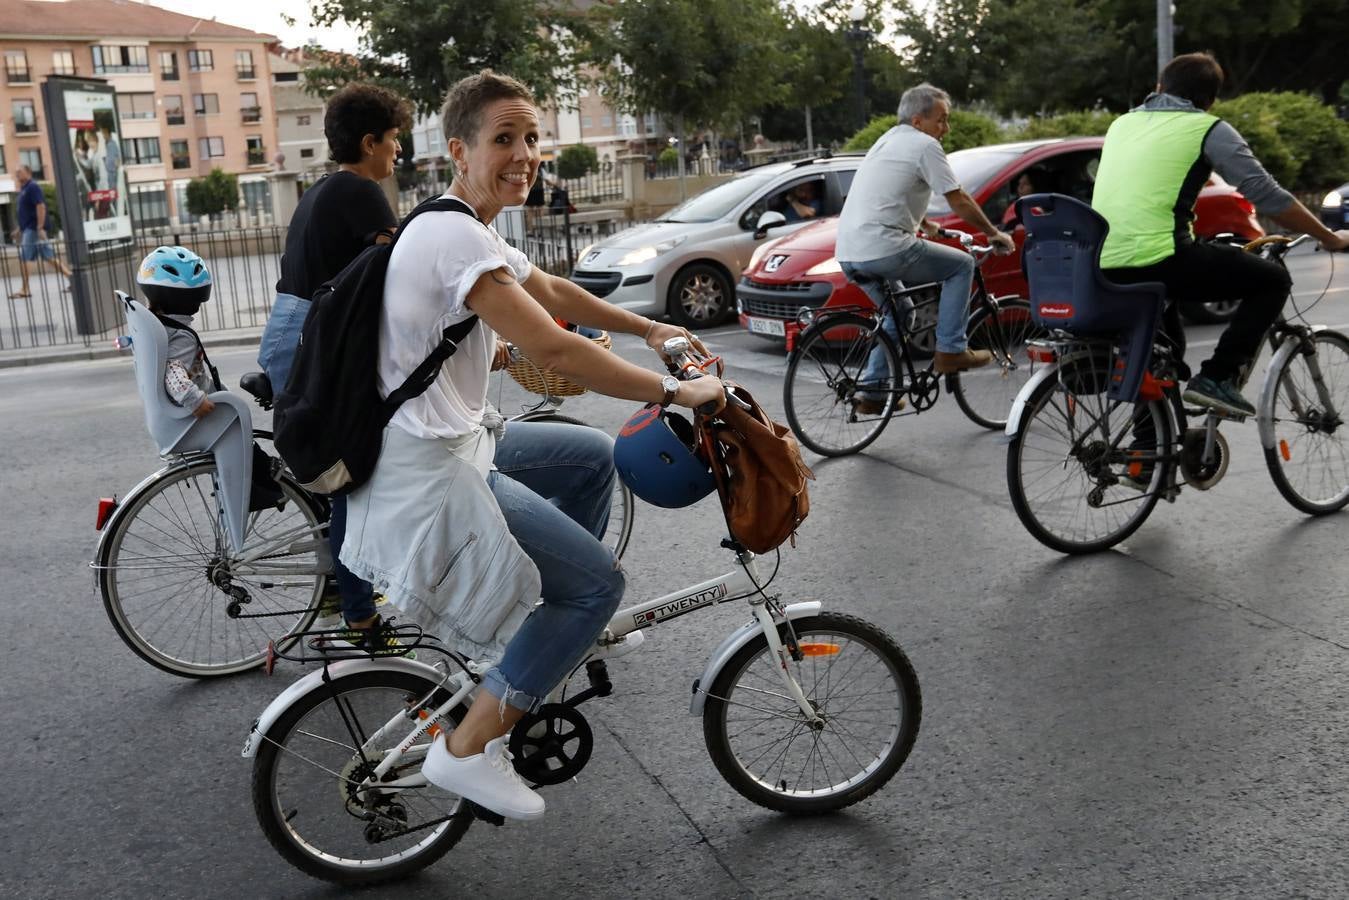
(713, 204)
(972, 167)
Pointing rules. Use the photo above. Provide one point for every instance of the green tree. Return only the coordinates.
(213, 193)
(421, 47)
(697, 64)
(968, 129)
(49, 197)
(577, 161)
(1297, 138)
(1085, 123)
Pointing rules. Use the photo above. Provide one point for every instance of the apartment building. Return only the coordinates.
(193, 94)
(299, 115)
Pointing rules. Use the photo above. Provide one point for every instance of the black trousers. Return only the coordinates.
(1202, 272)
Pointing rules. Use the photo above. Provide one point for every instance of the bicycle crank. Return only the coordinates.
(552, 744)
(1198, 472)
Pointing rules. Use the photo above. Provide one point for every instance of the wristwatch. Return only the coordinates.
(671, 386)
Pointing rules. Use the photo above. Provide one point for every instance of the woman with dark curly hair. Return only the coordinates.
(338, 217)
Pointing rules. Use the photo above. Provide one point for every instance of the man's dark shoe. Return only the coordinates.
(1222, 396)
(874, 406)
(948, 363)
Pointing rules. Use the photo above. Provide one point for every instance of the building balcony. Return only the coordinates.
(257, 156)
(25, 127)
(18, 76)
(175, 118)
(182, 162)
(251, 113)
(246, 73)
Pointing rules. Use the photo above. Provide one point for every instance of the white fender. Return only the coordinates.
(1264, 410)
(734, 641)
(314, 681)
(1023, 397)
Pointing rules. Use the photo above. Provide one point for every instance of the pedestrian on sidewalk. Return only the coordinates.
(31, 235)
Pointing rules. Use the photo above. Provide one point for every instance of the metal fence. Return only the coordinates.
(245, 265)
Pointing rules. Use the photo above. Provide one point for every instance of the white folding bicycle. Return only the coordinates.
(803, 711)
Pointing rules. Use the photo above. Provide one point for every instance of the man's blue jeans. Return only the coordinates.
(555, 484)
(280, 339)
(919, 263)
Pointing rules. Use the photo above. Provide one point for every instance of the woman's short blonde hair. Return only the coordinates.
(461, 114)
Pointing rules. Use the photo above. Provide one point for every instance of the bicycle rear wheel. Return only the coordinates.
(858, 680)
(620, 510)
(824, 373)
(986, 394)
(1309, 461)
(1083, 471)
(310, 790)
(166, 564)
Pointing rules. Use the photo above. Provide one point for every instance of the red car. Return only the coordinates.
(800, 270)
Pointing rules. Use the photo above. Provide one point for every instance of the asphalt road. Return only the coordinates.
(1165, 719)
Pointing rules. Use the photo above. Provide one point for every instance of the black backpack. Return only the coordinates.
(329, 418)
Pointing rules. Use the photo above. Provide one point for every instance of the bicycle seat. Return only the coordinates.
(1062, 262)
(260, 386)
(226, 431)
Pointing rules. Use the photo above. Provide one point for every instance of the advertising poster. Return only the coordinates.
(100, 176)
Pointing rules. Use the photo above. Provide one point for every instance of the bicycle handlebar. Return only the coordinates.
(978, 251)
(684, 363)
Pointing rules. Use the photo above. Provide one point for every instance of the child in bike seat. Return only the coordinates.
(176, 282)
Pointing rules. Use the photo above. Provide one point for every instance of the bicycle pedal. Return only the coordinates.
(486, 815)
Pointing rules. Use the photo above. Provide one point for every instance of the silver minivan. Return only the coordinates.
(686, 263)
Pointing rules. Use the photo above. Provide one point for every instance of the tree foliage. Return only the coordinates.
(968, 129)
(577, 161)
(1297, 138)
(421, 47)
(703, 64)
(212, 193)
(1084, 123)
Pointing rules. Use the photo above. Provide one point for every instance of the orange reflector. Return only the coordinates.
(1041, 354)
(819, 649)
(106, 506)
(1283, 451)
(269, 665)
(434, 730)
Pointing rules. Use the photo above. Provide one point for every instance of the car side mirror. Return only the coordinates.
(770, 219)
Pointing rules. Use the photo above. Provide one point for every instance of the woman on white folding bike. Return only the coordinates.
(456, 524)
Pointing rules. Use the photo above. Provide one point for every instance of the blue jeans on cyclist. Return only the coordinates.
(554, 484)
(280, 338)
(918, 263)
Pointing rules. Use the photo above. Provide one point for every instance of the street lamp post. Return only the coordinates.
(857, 37)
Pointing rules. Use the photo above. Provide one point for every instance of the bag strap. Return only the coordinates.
(425, 374)
(179, 326)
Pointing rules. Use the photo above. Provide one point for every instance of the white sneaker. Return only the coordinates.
(487, 779)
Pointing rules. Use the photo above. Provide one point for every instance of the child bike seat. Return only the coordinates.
(1068, 291)
(226, 432)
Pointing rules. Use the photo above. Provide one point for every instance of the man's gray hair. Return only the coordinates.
(919, 100)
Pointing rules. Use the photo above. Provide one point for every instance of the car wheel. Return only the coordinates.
(700, 295)
(923, 329)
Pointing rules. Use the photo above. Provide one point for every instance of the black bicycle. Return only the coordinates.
(832, 409)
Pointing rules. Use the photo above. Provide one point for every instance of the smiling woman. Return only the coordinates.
(463, 526)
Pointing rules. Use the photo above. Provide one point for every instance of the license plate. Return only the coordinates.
(768, 326)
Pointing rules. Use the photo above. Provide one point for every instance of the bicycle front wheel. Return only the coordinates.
(824, 377)
(617, 534)
(1085, 471)
(184, 601)
(986, 394)
(312, 788)
(1309, 461)
(859, 682)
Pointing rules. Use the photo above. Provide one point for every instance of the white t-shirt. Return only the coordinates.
(890, 194)
(434, 265)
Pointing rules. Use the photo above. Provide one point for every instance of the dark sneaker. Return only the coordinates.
(873, 406)
(1220, 395)
(377, 640)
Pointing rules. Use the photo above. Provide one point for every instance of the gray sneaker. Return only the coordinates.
(1220, 395)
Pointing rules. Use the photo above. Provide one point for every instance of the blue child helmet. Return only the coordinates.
(175, 280)
(656, 454)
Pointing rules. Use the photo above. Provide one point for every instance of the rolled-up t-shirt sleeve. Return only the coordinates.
(935, 169)
(475, 252)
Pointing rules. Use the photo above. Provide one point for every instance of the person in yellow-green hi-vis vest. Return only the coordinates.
(1155, 160)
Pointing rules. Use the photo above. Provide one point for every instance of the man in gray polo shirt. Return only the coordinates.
(882, 218)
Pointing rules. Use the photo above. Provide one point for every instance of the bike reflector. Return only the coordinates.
(106, 507)
(819, 648)
(1041, 354)
(1284, 452)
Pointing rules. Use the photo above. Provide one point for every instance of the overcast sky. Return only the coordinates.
(265, 16)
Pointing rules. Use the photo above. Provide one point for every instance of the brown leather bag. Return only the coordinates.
(763, 488)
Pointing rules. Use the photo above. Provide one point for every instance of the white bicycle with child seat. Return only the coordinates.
(197, 587)
(804, 711)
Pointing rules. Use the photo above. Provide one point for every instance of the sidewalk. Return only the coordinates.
(102, 348)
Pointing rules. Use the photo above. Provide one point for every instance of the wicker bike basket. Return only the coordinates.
(549, 384)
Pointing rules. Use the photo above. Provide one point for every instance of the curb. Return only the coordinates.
(40, 356)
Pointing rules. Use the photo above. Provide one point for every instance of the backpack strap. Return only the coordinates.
(179, 326)
(425, 374)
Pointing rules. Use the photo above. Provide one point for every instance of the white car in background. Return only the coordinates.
(685, 264)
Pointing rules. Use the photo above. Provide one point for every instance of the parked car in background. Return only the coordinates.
(1335, 208)
(686, 263)
(799, 269)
